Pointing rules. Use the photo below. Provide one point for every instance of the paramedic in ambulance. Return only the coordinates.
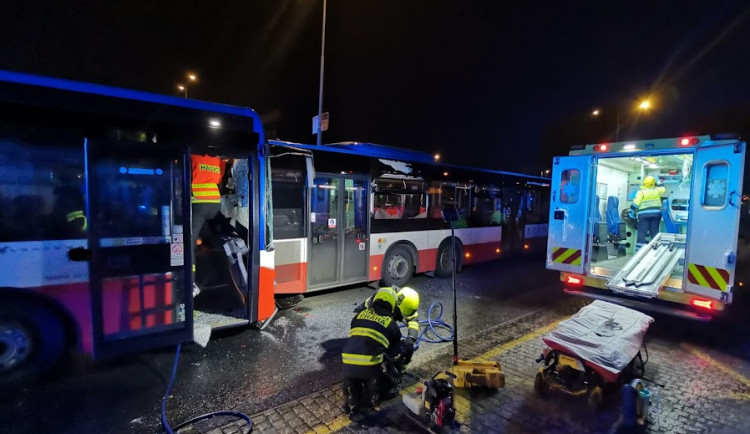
(647, 207)
(205, 198)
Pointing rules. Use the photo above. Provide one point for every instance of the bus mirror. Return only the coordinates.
(450, 214)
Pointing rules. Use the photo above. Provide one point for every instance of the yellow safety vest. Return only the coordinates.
(648, 200)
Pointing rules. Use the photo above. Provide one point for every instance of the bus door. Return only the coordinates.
(569, 213)
(339, 231)
(138, 224)
(713, 226)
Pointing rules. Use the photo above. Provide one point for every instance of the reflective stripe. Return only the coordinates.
(194, 200)
(370, 333)
(208, 185)
(649, 198)
(361, 359)
(202, 193)
(414, 325)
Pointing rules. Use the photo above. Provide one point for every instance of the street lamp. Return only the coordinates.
(436, 157)
(595, 112)
(191, 78)
(322, 63)
(644, 105)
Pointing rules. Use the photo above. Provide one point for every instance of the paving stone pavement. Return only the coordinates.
(699, 391)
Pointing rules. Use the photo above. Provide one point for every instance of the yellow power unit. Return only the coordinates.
(478, 374)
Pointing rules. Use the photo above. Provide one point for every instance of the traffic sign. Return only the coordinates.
(324, 117)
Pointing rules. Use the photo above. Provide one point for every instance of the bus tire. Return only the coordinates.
(443, 265)
(32, 340)
(398, 267)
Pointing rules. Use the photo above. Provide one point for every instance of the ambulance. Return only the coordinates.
(689, 267)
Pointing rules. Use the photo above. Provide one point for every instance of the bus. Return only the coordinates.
(353, 212)
(97, 252)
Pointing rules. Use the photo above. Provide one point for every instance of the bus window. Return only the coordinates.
(399, 199)
(288, 200)
(42, 192)
(486, 209)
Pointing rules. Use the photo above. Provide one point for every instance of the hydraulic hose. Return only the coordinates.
(432, 325)
(172, 429)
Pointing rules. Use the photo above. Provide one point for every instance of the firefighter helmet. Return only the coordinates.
(408, 301)
(649, 182)
(386, 295)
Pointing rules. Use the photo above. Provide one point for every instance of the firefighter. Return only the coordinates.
(374, 339)
(647, 207)
(205, 198)
(407, 304)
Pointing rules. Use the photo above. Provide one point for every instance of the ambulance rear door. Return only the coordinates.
(714, 218)
(569, 213)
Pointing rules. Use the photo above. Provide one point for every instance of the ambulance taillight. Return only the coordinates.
(705, 304)
(573, 280)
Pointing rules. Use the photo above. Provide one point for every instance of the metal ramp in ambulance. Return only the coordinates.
(647, 271)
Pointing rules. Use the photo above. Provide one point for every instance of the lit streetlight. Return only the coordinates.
(595, 112)
(191, 78)
(644, 105)
(436, 157)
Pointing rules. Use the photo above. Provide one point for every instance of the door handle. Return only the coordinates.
(732, 204)
(79, 254)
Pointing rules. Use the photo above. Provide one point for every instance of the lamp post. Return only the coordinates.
(322, 64)
(191, 78)
(644, 105)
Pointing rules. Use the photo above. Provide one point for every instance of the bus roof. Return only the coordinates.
(392, 153)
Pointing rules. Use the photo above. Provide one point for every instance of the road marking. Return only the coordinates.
(518, 341)
(718, 365)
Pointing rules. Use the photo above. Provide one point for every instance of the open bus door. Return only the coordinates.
(569, 213)
(715, 207)
(138, 225)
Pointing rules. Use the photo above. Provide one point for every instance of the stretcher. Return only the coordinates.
(597, 347)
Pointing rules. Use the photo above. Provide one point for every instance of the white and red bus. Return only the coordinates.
(353, 212)
(96, 249)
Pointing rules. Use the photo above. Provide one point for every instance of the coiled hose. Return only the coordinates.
(432, 325)
(206, 416)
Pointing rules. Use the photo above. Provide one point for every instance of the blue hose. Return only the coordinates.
(432, 325)
(171, 429)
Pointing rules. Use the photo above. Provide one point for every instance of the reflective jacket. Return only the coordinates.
(207, 174)
(373, 334)
(648, 201)
(412, 323)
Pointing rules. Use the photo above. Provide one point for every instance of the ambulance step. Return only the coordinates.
(647, 271)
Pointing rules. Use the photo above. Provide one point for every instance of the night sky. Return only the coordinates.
(497, 84)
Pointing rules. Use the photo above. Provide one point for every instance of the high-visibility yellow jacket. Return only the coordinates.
(648, 200)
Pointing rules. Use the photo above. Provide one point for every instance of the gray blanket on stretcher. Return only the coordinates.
(602, 333)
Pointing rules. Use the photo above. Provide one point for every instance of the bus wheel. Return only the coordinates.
(443, 266)
(397, 267)
(32, 340)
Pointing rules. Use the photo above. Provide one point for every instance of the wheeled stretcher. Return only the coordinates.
(597, 347)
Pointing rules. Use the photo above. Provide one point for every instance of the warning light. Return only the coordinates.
(498, 251)
(687, 141)
(467, 255)
(602, 148)
(574, 280)
(706, 304)
(741, 284)
(375, 268)
(199, 241)
(525, 246)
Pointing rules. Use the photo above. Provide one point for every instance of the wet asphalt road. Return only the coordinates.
(250, 370)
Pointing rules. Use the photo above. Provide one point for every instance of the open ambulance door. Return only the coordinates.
(139, 246)
(715, 203)
(569, 213)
